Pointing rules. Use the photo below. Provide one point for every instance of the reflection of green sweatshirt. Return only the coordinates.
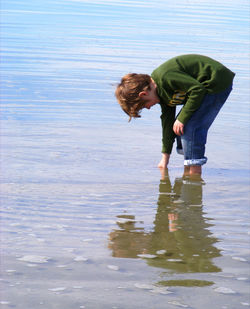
(186, 80)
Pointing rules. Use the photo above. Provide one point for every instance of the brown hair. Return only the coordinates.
(127, 93)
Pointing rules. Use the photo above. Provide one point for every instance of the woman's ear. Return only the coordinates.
(142, 94)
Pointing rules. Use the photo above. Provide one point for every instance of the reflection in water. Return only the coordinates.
(180, 241)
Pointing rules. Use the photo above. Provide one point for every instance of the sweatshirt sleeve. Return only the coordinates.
(194, 90)
(167, 121)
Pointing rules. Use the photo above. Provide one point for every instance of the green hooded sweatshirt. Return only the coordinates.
(185, 80)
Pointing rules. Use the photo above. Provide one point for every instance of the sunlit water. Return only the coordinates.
(87, 219)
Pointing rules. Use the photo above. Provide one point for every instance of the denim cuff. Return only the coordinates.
(195, 161)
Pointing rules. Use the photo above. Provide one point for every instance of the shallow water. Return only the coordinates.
(87, 219)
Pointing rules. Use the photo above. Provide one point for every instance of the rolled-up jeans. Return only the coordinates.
(192, 143)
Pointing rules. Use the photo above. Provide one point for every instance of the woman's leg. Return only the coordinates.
(195, 131)
(195, 170)
(186, 171)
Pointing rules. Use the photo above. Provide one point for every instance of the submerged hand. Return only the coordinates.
(178, 127)
(164, 161)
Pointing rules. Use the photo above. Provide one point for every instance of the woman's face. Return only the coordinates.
(150, 96)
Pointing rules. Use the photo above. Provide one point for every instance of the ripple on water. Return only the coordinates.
(224, 290)
(37, 259)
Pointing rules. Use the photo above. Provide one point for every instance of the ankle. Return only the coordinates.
(195, 170)
(186, 171)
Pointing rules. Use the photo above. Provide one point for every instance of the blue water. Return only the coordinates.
(86, 214)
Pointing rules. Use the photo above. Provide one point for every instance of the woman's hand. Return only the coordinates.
(178, 127)
(164, 160)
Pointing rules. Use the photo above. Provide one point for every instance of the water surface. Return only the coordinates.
(87, 220)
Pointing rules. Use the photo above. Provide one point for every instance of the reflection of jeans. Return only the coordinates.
(192, 142)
